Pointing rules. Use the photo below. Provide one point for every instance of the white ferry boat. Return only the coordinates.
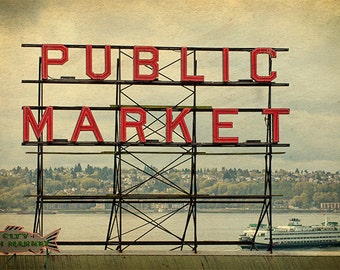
(293, 235)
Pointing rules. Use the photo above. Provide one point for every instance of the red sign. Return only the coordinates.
(171, 124)
(151, 62)
(146, 68)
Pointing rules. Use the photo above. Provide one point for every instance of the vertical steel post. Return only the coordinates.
(38, 219)
(269, 154)
(266, 210)
(115, 221)
(193, 159)
(192, 211)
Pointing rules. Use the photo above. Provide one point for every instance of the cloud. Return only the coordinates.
(310, 29)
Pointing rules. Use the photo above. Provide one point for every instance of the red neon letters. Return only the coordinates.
(135, 124)
(184, 75)
(146, 67)
(138, 116)
(218, 125)
(47, 119)
(225, 65)
(151, 62)
(86, 113)
(171, 125)
(89, 71)
(275, 120)
(137, 62)
(46, 61)
(254, 74)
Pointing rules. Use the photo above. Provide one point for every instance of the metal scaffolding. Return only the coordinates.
(126, 198)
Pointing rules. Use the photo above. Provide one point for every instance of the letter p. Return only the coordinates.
(52, 61)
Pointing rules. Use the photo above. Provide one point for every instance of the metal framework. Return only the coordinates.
(126, 199)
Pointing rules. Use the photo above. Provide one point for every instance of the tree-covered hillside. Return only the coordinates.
(298, 189)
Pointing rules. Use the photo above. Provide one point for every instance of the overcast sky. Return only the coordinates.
(310, 29)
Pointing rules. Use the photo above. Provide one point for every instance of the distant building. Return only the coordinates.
(330, 206)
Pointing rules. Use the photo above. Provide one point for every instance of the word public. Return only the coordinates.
(140, 60)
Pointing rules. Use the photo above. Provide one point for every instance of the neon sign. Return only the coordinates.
(146, 70)
(152, 62)
(86, 114)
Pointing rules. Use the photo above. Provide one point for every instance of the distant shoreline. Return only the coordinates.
(199, 210)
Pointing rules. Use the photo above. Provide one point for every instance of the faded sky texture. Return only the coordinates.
(310, 29)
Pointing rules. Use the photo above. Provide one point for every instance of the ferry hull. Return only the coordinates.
(290, 246)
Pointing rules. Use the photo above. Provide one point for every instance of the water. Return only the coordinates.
(210, 226)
